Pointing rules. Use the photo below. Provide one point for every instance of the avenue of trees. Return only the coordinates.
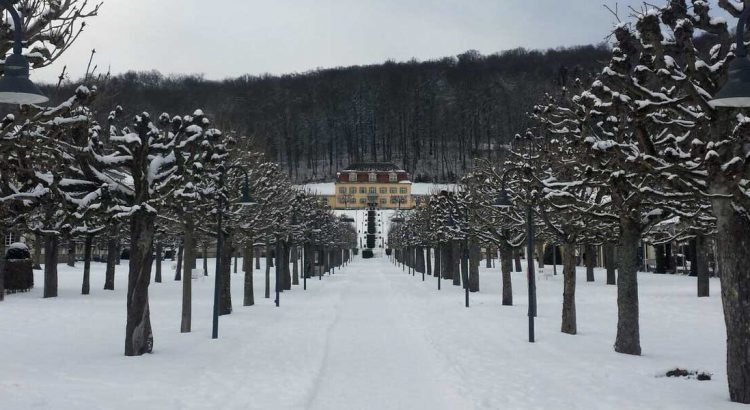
(634, 154)
(77, 172)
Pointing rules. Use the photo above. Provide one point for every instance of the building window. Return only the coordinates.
(362, 190)
(373, 190)
(393, 177)
(10, 238)
(373, 177)
(342, 199)
(403, 190)
(342, 190)
(353, 190)
(352, 177)
(383, 201)
(362, 201)
(383, 190)
(394, 190)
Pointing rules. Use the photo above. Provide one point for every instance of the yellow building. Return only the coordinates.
(380, 185)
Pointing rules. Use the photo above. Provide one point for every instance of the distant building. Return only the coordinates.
(372, 184)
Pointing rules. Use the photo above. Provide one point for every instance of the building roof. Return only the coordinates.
(373, 167)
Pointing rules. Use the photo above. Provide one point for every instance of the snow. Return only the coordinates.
(368, 337)
(420, 188)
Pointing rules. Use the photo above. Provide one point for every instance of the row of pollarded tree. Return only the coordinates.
(615, 160)
(153, 180)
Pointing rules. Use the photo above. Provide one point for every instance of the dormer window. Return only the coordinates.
(393, 177)
(373, 177)
(352, 177)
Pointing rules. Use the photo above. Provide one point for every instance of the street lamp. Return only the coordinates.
(736, 91)
(15, 85)
(245, 200)
(503, 201)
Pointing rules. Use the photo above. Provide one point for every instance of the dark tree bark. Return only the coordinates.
(247, 267)
(438, 256)
(71, 252)
(309, 260)
(50, 266)
(295, 264)
(732, 244)
(628, 338)
(517, 257)
(180, 254)
(188, 259)
(138, 335)
(661, 258)
(463, 250)
(569, 289)
(109, 276)
(456, 256)
(700, 259)
(2, 265)
(267, 293)
(225, 296)
(419, 264)
(157, 274)
(610, 263)
(86, 286)
(205, 258)
(488, 256)
(446, 262)
(475, 258)
(428, 261)
(257, 259)
(669, 255)
(590, 262)
(506, 266)
(38, 243)
(286, 280)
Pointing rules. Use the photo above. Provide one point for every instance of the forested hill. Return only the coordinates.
(431, 117)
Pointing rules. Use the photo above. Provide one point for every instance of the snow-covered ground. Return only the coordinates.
(368, 337)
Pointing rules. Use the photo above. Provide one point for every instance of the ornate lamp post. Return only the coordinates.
(15, 85)
(736, 91)
(245, 200)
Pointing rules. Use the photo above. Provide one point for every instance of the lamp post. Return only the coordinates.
(15, 85)
(736, 91)
(504, 202)
(245, 200)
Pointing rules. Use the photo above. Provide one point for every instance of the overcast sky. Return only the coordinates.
(225, 38)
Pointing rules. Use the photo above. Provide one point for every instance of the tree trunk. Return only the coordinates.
(590, 262)
(205, 258)
(428, 261)
(456, 257)
(2, 265)
(138, 335)
(188, 230)
(506, 266)
(157, 275)
(86, 286)
(446, 262)
(463, 250)
(569, 289)
(50, 265)
(475, 257)
(267, 293)
(628, 338)
(308, 261)
(732, 244)
(225, 296)
(71, 252)
(287, 278)
(438, 263)
(661, 258)
(38, 243)
(295, 265)
(517, 257)
(247, 267)
(109, 276)
(700, 259)
(488, 256)
(610, 262)
(180, 254)
(540, 255)
(257, 259)
(419, 264)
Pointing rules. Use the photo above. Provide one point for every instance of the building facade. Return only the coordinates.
(365, 185)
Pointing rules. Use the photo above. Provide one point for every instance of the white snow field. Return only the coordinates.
(368, 337)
